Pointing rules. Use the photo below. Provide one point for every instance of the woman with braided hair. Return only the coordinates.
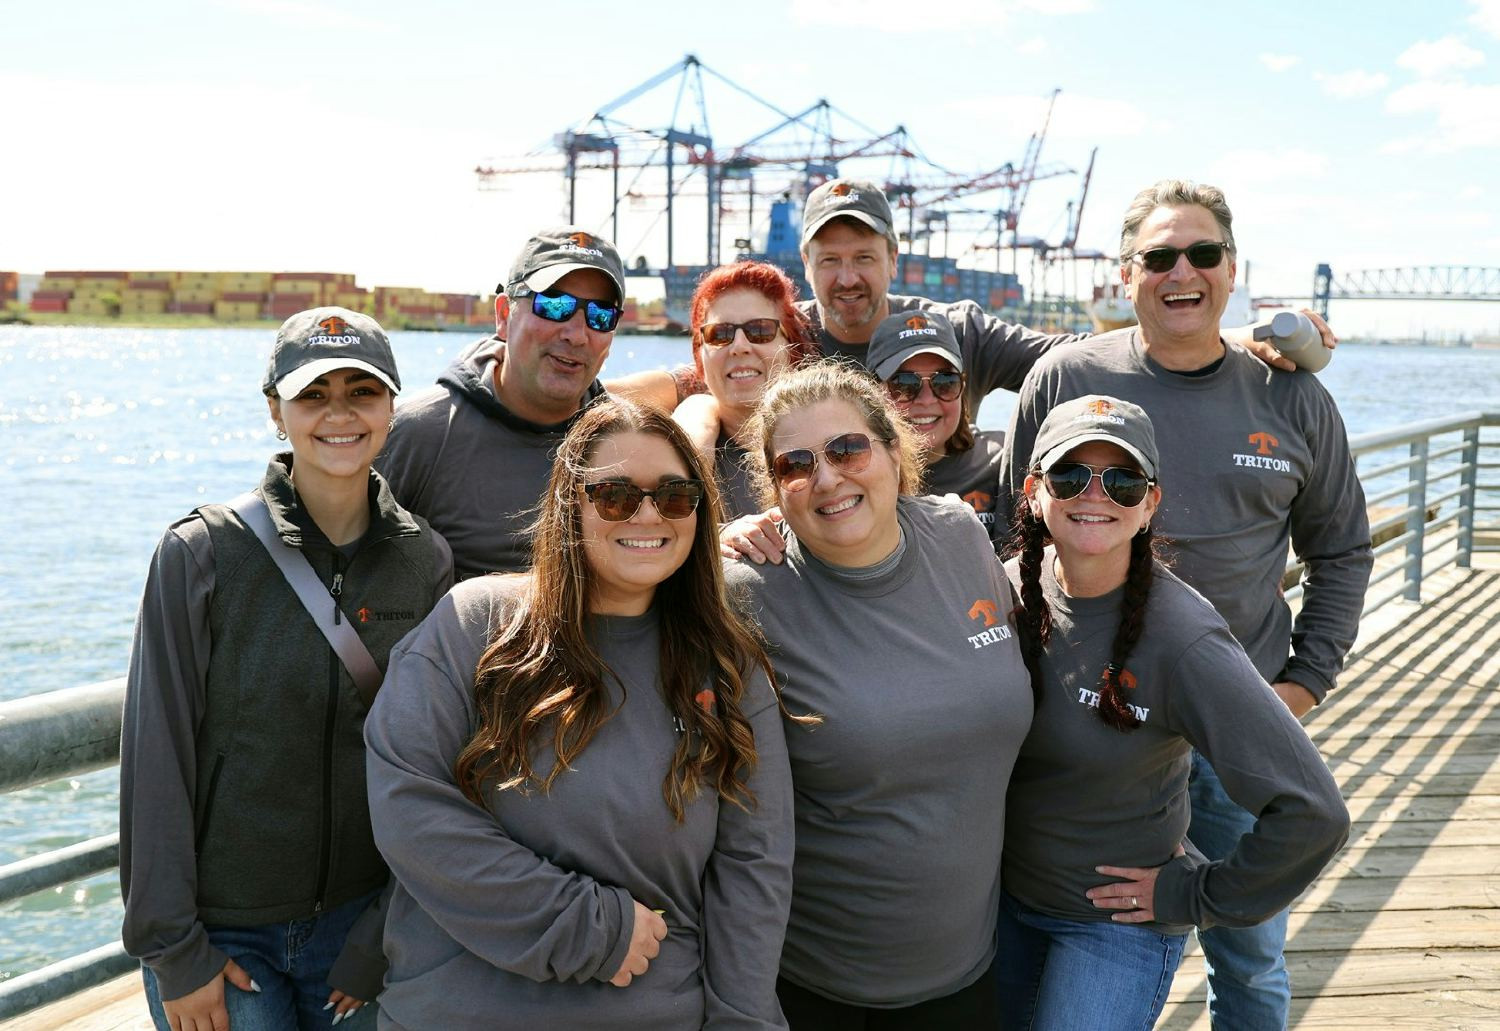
(1132, 670)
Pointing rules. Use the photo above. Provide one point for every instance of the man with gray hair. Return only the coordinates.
(1258, 457)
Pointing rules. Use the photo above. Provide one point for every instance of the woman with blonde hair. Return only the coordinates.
(578, 774)
(888, 619)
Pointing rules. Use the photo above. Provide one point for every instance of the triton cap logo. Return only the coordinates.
(1101, 410)
(917, 326)
(916, 322)
(582, 240)
(1100, 407)
(844, 192)
(582, 243)
(334, 326)
(335, 331)
(1263, 442)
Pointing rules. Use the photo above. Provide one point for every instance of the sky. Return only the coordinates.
(341, 136)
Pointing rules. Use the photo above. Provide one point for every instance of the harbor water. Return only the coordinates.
(108, 435)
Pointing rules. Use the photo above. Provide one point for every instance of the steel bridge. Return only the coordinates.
(1413, 283)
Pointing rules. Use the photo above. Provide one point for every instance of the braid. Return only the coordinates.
(1034, 616)
(1112, 707)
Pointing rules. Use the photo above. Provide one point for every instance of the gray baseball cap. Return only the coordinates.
(553, 253)
(1096, 417)
(315, 342)
(908, 333)
(858, 199)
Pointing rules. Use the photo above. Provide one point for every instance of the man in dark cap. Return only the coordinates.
(473, 453)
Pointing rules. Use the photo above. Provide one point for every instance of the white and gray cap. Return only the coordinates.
(315, 342)
(907, 333)
(1096, 417)
(858, 199)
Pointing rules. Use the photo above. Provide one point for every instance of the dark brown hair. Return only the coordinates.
(542, 681)
(1034, 617)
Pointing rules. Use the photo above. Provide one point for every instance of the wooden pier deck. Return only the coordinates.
(1403, 929)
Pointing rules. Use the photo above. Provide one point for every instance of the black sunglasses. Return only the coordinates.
(1125, 487)
(557, 306)
(616, 502)
(1200, 255)
(906, 386)
(757, 331)
(849, 452)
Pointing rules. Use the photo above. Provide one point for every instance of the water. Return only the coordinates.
(106, 436)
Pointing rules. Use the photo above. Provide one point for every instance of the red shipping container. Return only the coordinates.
(56, 305)
(149, 284)
(194, 307)
(242, 296)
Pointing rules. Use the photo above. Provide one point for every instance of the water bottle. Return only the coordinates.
(1293, 334)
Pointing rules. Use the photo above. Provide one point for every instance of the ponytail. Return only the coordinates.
(1112, 705)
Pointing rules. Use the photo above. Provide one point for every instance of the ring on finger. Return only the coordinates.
(1135, 902)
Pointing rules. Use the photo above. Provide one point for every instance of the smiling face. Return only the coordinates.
(844, 518)
(336, 426)
(629, 559)
(549, 365)
(1091, 526)
(738, 373)
(935, 420)
(1179, 307)
(850, 268)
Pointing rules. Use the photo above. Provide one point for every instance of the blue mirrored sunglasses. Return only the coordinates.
(556, 306)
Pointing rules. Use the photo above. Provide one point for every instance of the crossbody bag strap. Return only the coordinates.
(313, 594)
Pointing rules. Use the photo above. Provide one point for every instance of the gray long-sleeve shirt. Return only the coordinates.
(900, 791)
(974, 476)
(1250, 456)
(1084, 794)
(518, 917)
(997, 355)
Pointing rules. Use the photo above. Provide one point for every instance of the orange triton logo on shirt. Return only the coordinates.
(995, 631)
(363, 614)
(1090, 697)
(705, 699)
(334, 326)
(1264, 457)
(979, 501)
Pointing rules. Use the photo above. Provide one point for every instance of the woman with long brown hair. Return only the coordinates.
(1133, 670)
(578, 774)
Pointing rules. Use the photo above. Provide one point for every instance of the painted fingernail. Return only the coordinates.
(253, 986)
(336, 1018)
(328, 1006)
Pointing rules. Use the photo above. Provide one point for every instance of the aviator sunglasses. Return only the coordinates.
(617, 502)
(1200, 255)
(849, 453)
(757, 331)
(1125, 487)
(557, 306)
(906, 386)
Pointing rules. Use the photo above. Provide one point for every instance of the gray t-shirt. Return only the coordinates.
(736, 489)
(996, 354)
(1084, 794)
(518, 916)
(473, 469)
(900, 791)
(974, 476)
(1250, 456)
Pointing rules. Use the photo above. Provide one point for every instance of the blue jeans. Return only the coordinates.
(1075, 975)
(290, 963)
(1248, 986)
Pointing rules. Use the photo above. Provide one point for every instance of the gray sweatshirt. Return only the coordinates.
(517, 917)
(974, 476)
(473, 469)
(900, 792)
(1249, 457)
(1084, 794)
(996, 354)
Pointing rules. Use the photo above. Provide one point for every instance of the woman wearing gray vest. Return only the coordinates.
(887, 619)
(247, 865)
(1133, 670)
(578, 774)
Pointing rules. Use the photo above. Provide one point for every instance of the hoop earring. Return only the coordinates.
(1144, 529)
(281, 434)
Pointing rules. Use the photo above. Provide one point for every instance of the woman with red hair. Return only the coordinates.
(746, 330)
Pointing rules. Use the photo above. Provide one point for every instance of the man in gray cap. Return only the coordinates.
(1257, 457)
(472, 454)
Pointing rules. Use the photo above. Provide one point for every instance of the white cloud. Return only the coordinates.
(1253, 166)
(307, 14)
(937, 15)
(1466, 116)
(1435, 58)
(1034, 45)
(1486, 16)
(1350, 84)
(1471, 192)
(1076, 116)
(1279, 62)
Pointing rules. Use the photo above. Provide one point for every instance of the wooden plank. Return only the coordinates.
(118, 1005)
(1407, 1011)
(1435, 833)
(1436, 785)
(1324, 931)
(1339, 974)
(1365, 894)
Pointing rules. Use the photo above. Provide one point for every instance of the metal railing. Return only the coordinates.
(1432, 469)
